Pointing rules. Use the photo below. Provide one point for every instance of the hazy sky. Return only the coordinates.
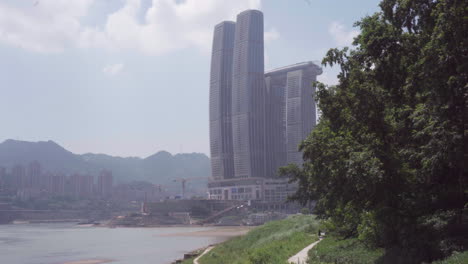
(130, 77)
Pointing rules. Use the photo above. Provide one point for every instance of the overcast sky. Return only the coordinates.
(130, 77)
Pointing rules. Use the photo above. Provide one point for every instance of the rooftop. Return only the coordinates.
(295, 66)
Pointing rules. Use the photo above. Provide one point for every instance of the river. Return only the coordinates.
(67, 243)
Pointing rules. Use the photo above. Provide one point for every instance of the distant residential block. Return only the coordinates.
(105, 182)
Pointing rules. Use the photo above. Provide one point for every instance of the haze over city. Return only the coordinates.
(131, 78)
(233, 131)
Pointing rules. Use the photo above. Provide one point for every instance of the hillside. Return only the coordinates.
(160, 168)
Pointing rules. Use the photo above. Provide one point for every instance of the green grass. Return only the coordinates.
(271, 243)
(188, 261)
(350, 251)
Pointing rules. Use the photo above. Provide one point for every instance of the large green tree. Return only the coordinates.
(387, 161)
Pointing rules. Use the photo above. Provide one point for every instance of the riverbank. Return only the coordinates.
(90, 261)
(221, 231)
(273, 242)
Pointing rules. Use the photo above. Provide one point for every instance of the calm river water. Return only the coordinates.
(62, 243)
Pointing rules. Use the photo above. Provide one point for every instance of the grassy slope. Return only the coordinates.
(188, 261)
(271, 243)
(351, 251)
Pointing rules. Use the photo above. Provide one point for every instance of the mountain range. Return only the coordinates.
(159, 168)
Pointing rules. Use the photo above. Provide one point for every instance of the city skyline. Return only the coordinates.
(257, 118)
(122, 99)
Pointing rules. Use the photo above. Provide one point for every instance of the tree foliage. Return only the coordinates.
(387, 161)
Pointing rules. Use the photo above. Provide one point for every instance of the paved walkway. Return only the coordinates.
(301, 257)
(195, 261)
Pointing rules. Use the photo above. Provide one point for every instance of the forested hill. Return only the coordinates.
(158, 168)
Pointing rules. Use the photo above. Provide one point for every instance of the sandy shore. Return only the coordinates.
(89, 261)
(230, 231)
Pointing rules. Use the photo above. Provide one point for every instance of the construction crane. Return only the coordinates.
(155, 188)
(183, 181)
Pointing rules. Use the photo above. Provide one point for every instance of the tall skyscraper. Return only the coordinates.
(248, 96)
(222, 164)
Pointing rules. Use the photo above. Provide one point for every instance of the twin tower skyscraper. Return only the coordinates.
(248, 135)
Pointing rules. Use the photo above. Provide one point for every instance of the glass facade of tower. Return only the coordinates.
(248, 96)
(222, 163)
(290, 113)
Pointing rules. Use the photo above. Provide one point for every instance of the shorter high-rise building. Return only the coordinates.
(105, 181)
(275, 123)
(291, 113)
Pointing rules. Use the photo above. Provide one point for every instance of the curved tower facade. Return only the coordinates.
(222, 165)
(248, 96)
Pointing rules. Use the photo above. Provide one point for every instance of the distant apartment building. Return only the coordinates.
(56, 184)
(105, 181)
(81, 185)
(18, 173)
(3, 178)
(34, 175)
(74, 185)
(271, 113)
(222, 163)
